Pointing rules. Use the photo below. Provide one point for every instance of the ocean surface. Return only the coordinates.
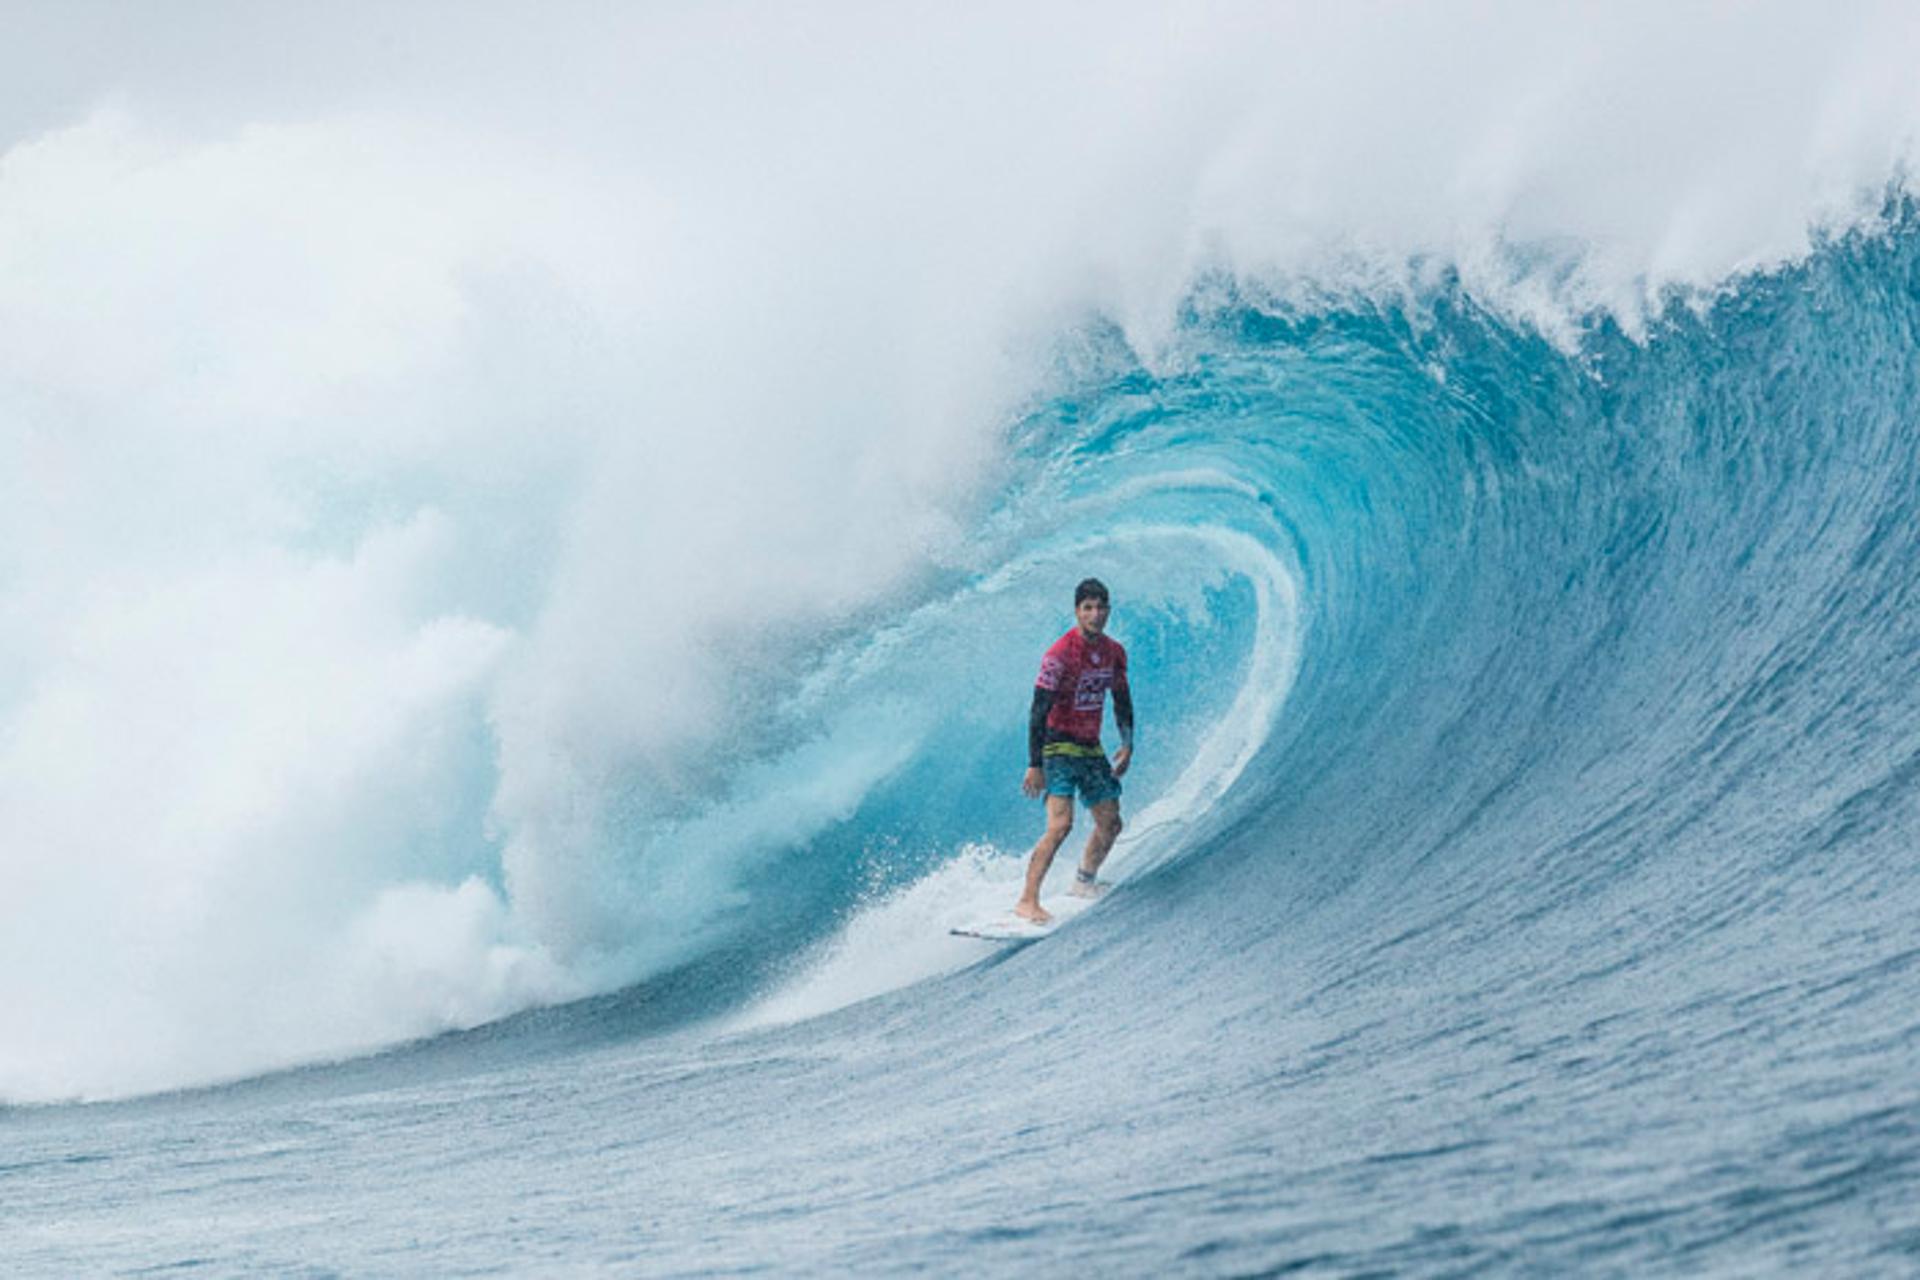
(529, 849)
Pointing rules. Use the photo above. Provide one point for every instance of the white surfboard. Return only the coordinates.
(1004, 926)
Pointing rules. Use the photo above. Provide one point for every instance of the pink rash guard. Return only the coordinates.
(1079, 672)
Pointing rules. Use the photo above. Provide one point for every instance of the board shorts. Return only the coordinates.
(1070, 767)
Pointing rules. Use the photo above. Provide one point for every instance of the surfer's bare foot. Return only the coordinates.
(1033, 911)
(1087, 888)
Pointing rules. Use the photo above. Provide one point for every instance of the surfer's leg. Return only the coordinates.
(1059, 823)
(1106, 829)
(1103, 798)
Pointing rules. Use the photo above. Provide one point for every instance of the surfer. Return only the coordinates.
(1063, 744)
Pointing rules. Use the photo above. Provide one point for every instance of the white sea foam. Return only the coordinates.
(907, 937)
(404, 449)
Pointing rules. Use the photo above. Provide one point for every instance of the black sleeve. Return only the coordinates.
(1037, 724)
(1123, 712)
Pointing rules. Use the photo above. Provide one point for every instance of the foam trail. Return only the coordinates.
(899, 940)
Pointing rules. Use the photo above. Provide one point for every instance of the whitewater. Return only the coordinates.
(526, 538)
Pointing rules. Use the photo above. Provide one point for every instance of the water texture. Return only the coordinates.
(1557, 920)
(515, 641)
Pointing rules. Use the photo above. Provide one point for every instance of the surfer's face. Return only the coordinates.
(1092, 615)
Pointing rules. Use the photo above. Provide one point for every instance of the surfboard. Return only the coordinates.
(1005, 927)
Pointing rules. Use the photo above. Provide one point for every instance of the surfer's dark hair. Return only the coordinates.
(1091, 589)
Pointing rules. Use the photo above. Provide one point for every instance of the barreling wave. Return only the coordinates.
(1443, 631)
(1567, 882)
(1437, 624)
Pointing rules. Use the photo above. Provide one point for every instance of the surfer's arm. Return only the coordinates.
(1037, 724)
(1123, 721)
(1123, 713)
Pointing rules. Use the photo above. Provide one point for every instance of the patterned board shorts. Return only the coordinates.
(1084, 771)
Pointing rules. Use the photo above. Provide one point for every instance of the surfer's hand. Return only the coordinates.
(1034, 783)
(1121, 759)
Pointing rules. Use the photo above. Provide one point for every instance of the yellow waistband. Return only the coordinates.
(1072, 749)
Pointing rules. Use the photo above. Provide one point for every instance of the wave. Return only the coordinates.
(1576, 631)
(443, 577)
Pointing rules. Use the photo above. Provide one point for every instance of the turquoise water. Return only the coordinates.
(1521, 875)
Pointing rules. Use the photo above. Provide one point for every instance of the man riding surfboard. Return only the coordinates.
(1064, 755)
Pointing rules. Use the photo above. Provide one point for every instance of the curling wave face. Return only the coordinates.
(1535, 737)
(1565, 900)
(1452, 636)
(490, 549)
